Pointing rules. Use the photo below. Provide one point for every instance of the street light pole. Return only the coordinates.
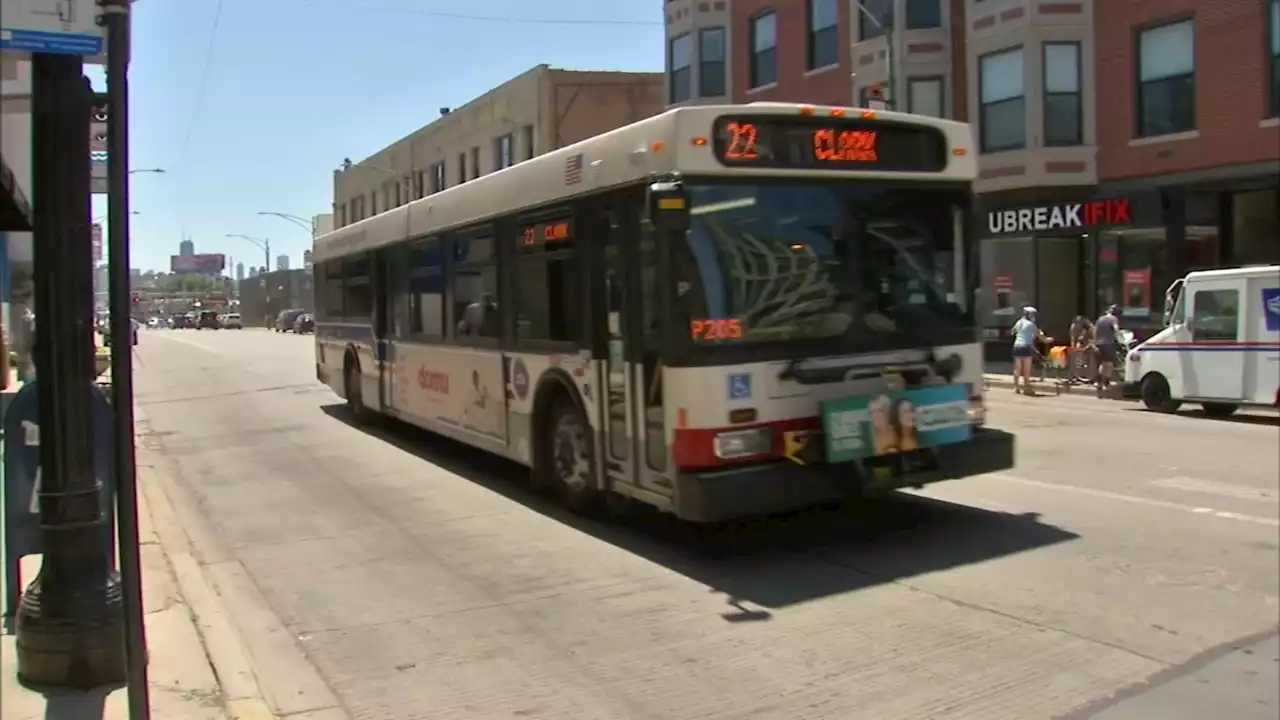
(69, 623)
(296, 220)
(120, 298)
(263, 243)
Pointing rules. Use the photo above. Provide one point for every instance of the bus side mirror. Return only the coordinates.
(668, 207)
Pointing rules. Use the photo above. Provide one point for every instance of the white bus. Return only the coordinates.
(719, 311)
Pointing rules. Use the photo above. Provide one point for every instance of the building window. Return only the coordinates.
(548, 302)
(437, 177)
(763, 69)
(873, 17)
(822, 43)
(1004, 105)
(1273, 43)
(527, 132)
(462, 168)
(475, 163)
(1166, 79)
(680, 60)
(711, 50)
(504, 153)
(924, 14)
(925, 96)
(420, 185)
(1062, 111)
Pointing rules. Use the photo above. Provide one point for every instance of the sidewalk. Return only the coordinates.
(184, 685)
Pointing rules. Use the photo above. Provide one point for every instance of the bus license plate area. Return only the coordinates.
(889, 471)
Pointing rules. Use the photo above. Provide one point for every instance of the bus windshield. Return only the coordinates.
(785, 261)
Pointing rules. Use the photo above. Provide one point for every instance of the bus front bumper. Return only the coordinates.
(715, 496)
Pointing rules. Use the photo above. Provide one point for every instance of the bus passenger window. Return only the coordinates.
(475, 288)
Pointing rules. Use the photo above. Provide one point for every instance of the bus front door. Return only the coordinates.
(623, 403)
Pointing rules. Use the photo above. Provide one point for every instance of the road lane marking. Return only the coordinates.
(1215, 488)
(1137, 500)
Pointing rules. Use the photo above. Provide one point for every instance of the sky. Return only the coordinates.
(249, 105)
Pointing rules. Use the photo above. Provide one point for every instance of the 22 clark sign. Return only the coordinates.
(1064, 216)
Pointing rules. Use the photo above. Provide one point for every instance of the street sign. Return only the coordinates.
(97, 243)
(21, 491)
(98, 178)
(63, 27)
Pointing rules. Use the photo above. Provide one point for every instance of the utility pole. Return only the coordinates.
(69, 624)
(116, 21)
(885, 25)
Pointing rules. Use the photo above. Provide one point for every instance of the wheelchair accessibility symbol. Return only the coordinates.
(740, 386)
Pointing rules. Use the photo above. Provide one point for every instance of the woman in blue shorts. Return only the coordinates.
(1024, 334)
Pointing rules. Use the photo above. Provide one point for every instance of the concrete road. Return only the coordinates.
(1127, 568)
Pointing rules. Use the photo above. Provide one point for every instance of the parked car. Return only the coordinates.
(231, 321)
(286, 319)
(306, 323)
(208, 320)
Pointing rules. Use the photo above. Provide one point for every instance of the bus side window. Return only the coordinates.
(655, 426)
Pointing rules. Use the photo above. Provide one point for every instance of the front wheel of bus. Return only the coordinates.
(568, 457)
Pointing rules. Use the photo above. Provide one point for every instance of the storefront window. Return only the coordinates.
(1131, 264)
(1256, 227)
(1008, 280)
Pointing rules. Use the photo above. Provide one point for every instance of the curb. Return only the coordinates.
(242, 697)
(1047, 388)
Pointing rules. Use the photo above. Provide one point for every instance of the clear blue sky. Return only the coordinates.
(294, 86)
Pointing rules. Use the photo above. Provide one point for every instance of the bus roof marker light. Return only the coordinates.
(806, 109)
(657, 145)
(837, 112)
(698, 141)
(959, 152)
(868, 114)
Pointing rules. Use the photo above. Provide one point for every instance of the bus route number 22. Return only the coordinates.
(715, 329)
(742, 141)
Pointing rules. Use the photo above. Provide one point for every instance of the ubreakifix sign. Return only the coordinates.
(1064, 216)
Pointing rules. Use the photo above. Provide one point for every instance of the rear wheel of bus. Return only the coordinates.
(567, 456)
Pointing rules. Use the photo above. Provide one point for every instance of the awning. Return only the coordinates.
(15, 211)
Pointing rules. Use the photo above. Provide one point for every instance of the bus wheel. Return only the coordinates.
(567, 457)
(1219, 410)
(1156, 394)
(355, 395)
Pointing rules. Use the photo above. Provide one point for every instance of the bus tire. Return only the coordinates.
(353, 390)
(1156, 394)
(1219, 410)
(568, 456)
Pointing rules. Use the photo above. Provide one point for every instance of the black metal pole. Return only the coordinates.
(69, 621)
(116, 17)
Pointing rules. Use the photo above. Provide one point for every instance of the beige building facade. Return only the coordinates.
(540, 110)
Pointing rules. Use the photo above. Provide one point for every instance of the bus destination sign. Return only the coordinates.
(808, 143)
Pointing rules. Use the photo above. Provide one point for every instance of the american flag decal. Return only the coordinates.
(573, 170)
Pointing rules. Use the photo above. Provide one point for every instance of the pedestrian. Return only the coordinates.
(1105, 331)
(1025, 333)
(1081, 335)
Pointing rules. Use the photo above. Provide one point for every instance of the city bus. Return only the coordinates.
(719, 311)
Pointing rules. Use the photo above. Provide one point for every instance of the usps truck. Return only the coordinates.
(1220, 346)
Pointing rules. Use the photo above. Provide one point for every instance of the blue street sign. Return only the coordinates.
(21, 519)
(50, 42)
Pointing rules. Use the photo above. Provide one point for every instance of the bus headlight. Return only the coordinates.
(744, 443)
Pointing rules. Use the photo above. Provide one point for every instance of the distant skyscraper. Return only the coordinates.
(253, 272)
(306, 259)
(282, 262)
(186, 248)
(239, 271)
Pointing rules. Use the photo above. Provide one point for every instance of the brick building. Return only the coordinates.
(540, 110)
(1168, 109)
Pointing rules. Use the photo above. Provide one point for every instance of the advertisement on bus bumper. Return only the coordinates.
(866, 426)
